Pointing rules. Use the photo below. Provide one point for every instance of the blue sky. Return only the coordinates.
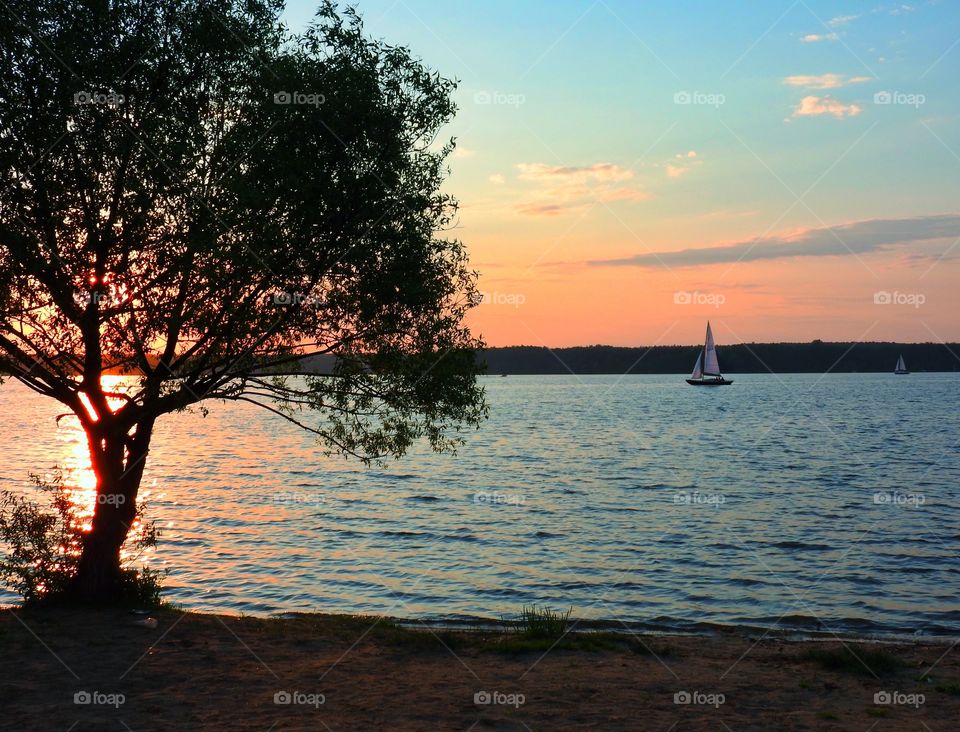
(595, 131)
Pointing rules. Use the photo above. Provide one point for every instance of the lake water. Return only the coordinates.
(798, 501)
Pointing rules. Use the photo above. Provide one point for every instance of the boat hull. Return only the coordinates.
(901, 373)
(709, 382)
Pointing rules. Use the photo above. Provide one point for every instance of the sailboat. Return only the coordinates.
(706, 372)
(901, 366)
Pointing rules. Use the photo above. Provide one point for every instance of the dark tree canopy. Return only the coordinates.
(190, 193)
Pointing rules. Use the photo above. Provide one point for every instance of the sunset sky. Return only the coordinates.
(629, 169)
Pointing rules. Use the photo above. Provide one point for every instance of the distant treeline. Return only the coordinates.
(745, 358)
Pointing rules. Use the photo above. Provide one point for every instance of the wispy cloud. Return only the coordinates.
(814, 106)
(497, 179)
(817, 37)
(840, 20)
(859, 237)
(688, 160)
(566, 189)
(564, 174)
(824, 81)
(549, 209)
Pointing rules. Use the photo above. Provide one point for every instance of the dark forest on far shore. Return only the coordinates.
(744, 358)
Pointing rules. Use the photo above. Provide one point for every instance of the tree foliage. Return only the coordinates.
(190, 192)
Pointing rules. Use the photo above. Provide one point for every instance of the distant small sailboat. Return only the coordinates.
(901, 366)
(706, 372)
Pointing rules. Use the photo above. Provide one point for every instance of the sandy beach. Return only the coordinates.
(87, 670)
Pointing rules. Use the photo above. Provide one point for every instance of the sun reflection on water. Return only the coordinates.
(79, 478)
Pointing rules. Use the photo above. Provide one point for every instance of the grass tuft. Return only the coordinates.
(542, 623)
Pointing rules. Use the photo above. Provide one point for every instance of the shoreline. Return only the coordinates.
(687, 628)
(207, 671)
(654, 628)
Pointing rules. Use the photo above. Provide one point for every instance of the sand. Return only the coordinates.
(198, 671)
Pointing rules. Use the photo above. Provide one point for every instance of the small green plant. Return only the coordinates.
(43, 547)
(542, 623)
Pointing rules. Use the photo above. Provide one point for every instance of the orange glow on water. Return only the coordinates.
(79, 478)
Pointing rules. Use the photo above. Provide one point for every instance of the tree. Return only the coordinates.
(196, 197)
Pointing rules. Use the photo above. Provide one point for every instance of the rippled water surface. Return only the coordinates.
(800, 500)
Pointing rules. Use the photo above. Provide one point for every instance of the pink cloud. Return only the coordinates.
(815, 37)
(559, 173)
(565, 189)
(824, 81)
(813, 106)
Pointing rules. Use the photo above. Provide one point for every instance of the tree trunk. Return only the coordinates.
(118, 461)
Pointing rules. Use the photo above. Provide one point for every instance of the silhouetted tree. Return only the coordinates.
(191, 192)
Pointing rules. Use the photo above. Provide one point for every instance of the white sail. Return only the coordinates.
(698, 369)
(901, 366)
(711, 366)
